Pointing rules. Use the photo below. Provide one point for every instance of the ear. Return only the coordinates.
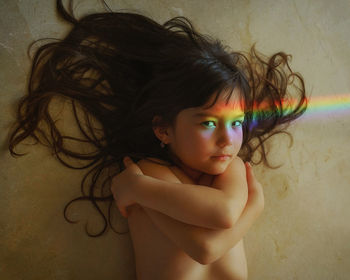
(160, 129)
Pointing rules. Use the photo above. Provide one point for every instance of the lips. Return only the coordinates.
(223, 157)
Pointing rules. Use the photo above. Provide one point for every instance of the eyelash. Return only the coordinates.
(203, 123)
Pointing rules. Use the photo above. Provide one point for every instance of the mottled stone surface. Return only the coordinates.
(304, 230)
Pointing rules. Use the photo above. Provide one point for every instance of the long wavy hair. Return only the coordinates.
(122, 69)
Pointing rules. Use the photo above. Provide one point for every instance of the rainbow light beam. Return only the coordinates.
(329, 105)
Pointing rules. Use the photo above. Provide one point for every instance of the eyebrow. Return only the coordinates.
(212, 115)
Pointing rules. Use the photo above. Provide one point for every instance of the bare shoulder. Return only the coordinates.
(238, 162)
(158, 169)
(236, 168)
(233, 179)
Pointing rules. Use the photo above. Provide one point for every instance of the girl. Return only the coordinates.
(191, 220)
(187, 110)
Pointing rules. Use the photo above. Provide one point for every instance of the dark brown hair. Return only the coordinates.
(122, 69)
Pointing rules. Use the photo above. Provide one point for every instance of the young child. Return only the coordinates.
(185, 111)
(189, 224)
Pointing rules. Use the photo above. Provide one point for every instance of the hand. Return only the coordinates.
(122, 185)
(255, 190)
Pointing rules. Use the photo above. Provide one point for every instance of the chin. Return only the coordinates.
(217, 169)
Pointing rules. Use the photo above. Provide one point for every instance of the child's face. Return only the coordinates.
(201, 136)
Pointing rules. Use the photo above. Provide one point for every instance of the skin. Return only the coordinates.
(195, 142)
(157, 237)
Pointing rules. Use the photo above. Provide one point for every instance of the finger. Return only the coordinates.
(250, 174)
(127, 161)
(123, 212)
(248, 167)
(132, 166)
(252, 181)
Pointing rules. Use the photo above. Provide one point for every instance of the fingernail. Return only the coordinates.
(248, 163)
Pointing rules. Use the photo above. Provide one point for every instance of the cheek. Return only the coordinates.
(239, 136)
(239, 139)
(201, 141)
(195, 141)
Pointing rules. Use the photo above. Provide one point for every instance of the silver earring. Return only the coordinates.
(162, 145)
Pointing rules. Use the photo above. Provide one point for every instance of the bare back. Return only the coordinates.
(157, 257)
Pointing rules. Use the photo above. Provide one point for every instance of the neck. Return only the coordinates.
(190, 172)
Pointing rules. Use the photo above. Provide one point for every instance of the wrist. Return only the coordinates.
(136, 183)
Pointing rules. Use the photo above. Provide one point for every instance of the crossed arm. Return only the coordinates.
(204, 221)
(216, 207)
(202, 244)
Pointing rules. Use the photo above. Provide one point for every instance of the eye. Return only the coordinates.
(237, 123)
(208, 124)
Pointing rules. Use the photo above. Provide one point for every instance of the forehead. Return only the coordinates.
(223, 107)
(227, 99)
(226, 102)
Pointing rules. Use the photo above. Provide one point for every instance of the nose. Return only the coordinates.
(225, 137)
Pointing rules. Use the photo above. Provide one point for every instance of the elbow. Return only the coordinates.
(205, 260)
(209, 253)
(229, 216)
(230, 220)
(227, 223)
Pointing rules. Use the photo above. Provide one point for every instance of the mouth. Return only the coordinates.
(222, 157)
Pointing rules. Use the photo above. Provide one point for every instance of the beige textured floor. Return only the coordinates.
(304, 231)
